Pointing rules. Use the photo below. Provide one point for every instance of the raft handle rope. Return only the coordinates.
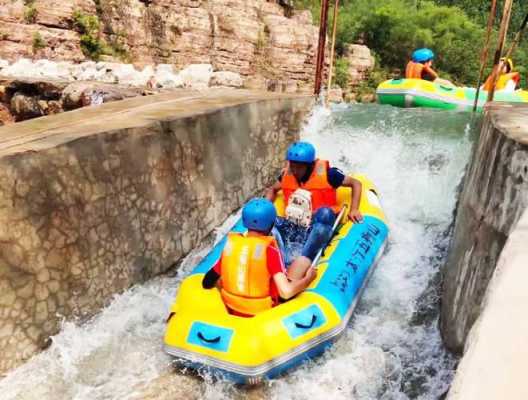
(334, 227)
(308, 326)
(203, 338)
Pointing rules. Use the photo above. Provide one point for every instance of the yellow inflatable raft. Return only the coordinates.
(202, 334)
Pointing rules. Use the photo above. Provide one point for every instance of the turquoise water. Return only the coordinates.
(392, 348)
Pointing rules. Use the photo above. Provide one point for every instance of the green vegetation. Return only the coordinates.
(92, 43)
(90, 29)
(341, 72)
(454, 29)
(30, 13)
(38, 43)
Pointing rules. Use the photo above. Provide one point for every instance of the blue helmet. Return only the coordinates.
(259, 215)
(422, 55)
(303, 152)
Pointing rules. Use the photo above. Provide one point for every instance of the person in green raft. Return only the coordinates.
(421, 67)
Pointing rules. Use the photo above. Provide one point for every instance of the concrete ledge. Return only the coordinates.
(494, 196)
(98, 199)
(494, 363)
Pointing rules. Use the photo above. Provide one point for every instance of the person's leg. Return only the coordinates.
(320, 233)
(293, 236)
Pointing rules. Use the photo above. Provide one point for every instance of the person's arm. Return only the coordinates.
(212, 276)
(287, 289)
(271, 192)
(431, 72)
(354, 214)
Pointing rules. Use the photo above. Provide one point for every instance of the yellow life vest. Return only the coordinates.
(245, 275)
(502, 81)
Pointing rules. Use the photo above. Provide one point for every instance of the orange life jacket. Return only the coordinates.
(417, 70)
(323, 194)
(502, 81)
(413, 70)
(244, 273)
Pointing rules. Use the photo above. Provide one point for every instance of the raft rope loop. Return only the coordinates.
(506, 14)
(332, 50)
(484, 54)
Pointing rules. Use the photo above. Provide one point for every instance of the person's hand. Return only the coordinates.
(311, 274)
(355, 216)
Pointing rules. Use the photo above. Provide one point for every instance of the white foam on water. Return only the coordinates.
(416, 159)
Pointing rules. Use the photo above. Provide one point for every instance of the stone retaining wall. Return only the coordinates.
(494, 197)
(98, 199)
(494, 363)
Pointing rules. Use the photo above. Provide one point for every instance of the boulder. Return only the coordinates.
(25, 107)
(20, 68)
(255, 82)
(196, 76)
(52, 70)
(79, 94)
(368, 98)
(226, 79)
(165, 77)
(360, 63)
(5, 115)
(335, 95)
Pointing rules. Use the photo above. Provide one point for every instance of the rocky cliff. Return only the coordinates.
(257, 39)
(494, 197)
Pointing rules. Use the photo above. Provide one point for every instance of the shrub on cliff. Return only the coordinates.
(92, 43)
(89, 27)
(38, 42)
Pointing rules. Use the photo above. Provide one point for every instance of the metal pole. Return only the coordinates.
(321, 47)
(332, 50)
(484, 54)
(506, 14)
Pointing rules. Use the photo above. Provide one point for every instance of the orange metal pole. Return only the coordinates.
(321, 47)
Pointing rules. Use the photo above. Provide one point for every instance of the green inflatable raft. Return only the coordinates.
(420, 93)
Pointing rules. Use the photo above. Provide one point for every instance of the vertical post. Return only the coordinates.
(321, 47)
(506, 14)
(332, 50)
(518, 37)
(484, 54)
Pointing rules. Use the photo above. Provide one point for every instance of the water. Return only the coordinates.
(391, 350)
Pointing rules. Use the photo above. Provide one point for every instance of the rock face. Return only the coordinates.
(360, 63)
(249, 37)
(95, 200)
(495, 195)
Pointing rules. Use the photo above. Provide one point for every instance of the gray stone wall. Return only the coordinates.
(98, 199)
(494, 196)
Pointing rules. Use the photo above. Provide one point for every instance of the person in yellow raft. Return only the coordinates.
(421, 67)
(252, 274)
(507, 79)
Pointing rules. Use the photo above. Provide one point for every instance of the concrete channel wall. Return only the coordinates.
(98, 199)
(494, 196)
(494, 363)
(485, 297)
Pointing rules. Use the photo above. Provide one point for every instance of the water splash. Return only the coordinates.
(391, 350)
